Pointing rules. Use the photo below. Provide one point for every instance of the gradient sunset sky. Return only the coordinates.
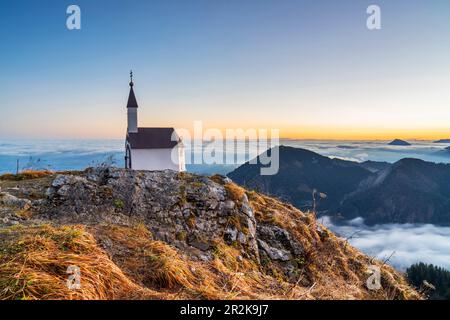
(310, 68)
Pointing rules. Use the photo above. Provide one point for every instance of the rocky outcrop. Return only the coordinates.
(187, 211)
(216, 233)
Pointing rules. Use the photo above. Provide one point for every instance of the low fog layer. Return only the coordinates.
(79, 154)
(407, 243)
(375, 150)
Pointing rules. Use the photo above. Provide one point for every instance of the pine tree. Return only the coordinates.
(434, 275)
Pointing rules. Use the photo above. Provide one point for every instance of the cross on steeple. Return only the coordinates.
(132, 103)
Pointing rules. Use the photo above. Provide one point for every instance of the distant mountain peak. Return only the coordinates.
(409, 162)
(399, 142)
(442, 141)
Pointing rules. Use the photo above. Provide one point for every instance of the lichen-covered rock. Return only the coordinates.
(274, 253)
(279, 238)
(169, 203)
(181, 209)
(13, 201)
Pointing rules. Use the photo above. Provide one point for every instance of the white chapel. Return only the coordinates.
(151, 148)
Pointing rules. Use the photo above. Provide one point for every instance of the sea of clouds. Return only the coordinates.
(408, 243)
(79, 154)
(403, 244)
(379, 150)
(58, 154)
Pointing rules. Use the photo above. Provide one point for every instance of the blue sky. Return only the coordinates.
(310, 68)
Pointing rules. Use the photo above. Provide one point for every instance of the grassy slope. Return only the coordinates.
(124, 262)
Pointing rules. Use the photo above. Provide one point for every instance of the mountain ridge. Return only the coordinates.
(312, 171)
(417, 190)
(409, 191)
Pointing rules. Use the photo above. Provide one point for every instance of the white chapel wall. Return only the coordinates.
(153, 159)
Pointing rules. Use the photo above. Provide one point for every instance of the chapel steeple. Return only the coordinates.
(132, 103)
(132, 107)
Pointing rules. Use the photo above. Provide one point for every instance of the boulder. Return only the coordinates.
(12, 201)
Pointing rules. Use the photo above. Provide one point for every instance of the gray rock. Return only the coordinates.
(62, 180)
(279, 238)
(245, 207)
(203, 246)
(12, 201)
(230, 235)
(227, 180)
(242, 238)
(274, 253)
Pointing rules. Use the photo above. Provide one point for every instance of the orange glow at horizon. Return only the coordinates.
(321, 132)
(116, 128)
(336, 133)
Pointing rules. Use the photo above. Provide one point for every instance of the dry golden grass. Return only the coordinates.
(234, 192)
(25, 213)
(338, 270)
(217, 179)
(162, 268)
(149, 262)
(26, 175)
(34, 262)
